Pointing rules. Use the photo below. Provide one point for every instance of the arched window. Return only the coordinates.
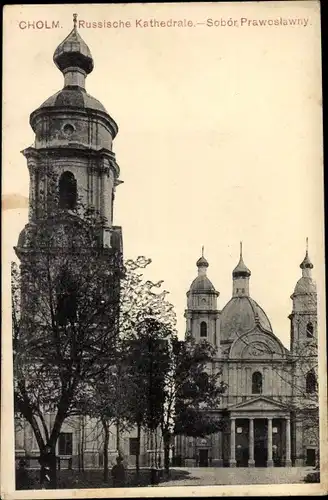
(309, 329)
(203, 329)
(256, 383)
(311, 382)
(67, 191)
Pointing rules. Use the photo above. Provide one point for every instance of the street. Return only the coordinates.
(217, 476)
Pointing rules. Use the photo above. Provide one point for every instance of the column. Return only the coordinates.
(188, 323)
(45, 193)
(217, 331)
(91, 188)
(217, 450)
(299, 460)
(102, 193)
(36, 193)
(108, 193)
(231, 398)
(239, 386)
(251, 461)
(98, 183)
(269, 461)
(265, 388)
(248, 382)
(232, 442)
(288, 462)
(31, 206)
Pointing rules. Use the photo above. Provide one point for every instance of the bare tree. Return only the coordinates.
(121, 398)
(191, 392)
(65, 321)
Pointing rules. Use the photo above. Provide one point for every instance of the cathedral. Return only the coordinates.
(269, 410)
(270, 406)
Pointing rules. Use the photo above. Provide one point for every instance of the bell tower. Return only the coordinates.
(304, 314)
(304, 351)
(202, 314)
(72, 167)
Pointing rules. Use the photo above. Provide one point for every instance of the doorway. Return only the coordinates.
(203, 458)
(260, 455)
(310, 457)
(260, 443)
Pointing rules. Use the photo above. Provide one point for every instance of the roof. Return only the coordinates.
(73, 97)
(305, 285)
(202, 284)
(240, 315)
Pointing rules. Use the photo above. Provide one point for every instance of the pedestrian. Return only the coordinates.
(118, 473)
(274, 454)
(22, 476)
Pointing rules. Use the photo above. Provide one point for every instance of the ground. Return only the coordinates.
(180, 476)
(217, 476)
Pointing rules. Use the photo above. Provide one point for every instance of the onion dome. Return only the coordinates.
(306, 284)
(202, 262)
(73, 52)
(241, 271)
(306, 263)
(241, 315)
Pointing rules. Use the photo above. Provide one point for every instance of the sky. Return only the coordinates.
(220, 138)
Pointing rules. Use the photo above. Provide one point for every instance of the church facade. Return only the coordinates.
(270, 409)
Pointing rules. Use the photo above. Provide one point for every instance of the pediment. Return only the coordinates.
(260, 403)
(257, 345)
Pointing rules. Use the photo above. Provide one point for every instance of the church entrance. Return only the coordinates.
(260, 442)
(203, 458)
(310, 457)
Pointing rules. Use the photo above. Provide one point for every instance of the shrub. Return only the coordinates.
(313, 477)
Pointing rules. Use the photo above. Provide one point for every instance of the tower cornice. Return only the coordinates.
(193, 312)
(72, 151)
(73, 111)
(203, 292)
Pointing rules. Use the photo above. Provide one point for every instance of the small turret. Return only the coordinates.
(240, 277)
(306, 286)
(201, 313)
(304, 314)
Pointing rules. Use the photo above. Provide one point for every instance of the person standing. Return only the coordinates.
(22, 476)
(118, 473)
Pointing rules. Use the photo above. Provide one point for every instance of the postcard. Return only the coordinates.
(164, 328)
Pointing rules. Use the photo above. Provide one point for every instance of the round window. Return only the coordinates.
(68, 129)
